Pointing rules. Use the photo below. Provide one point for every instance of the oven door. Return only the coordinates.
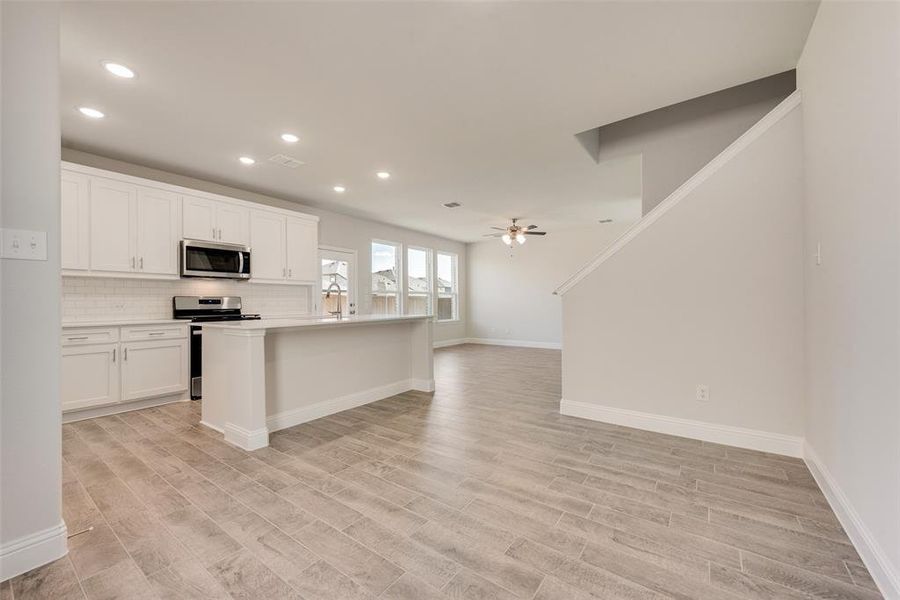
(209, 259)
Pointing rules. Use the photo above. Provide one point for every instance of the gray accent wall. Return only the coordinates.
(678, 140)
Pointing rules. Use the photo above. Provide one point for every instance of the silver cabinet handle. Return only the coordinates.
(132, 262)
(142, 263)
(290, 272)
(114, 355)
(80, 337)
(214, 233)
(220, 233)
(125, 351)
(156, 333)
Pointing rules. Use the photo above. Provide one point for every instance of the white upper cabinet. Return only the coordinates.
(283, 249)
(267, 254)
(115, 225)
(214, 221)
(157, 232)
(233, 223)
(302, 246)
(75, 226)
(113, 219)
(199, 218)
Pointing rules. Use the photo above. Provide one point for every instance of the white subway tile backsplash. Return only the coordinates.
(96, 298)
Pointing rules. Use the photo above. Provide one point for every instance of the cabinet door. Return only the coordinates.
(267, 246)
(158, 232)
(302, 243)
(89, 376)
(232, 223)
(75, 226)
(151, 369)
(112, 225)
(198, 218)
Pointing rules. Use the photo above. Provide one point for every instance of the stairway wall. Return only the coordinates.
(710, 293)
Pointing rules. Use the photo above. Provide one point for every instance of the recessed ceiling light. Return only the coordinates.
(290, 138)
(93, 113)
(118, 70)
(339, 189)
(246, 160)
(383, 175)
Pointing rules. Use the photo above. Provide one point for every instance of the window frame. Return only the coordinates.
(398, 264)
(429, 275)
(454, 294)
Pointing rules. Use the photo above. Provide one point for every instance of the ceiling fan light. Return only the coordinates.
(506, 239)
(520, 237)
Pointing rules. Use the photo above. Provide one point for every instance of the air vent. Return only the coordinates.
(285, 161)
(452, 205)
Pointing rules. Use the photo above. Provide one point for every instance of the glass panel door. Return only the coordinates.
(337, 270)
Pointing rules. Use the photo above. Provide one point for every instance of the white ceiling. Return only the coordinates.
(474, 102)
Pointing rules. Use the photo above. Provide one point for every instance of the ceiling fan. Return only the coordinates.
(514, 232)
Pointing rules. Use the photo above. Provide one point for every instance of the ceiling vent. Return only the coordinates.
(285, 161)
(452, 205)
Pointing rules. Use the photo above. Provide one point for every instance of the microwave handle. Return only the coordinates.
(240, 262)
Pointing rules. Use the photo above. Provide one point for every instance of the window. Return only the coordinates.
(447, 287)
(385, 278)
(419, 284)
(338, 267)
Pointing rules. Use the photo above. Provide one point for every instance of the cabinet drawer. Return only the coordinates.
(89, 335)
(154, 332)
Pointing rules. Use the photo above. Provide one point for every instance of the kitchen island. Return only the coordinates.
(266, 375)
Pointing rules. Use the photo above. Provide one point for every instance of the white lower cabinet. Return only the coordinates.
(90, 376)
(137, 363)
(152, 369)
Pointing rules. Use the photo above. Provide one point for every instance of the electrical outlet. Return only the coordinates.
(702, 393)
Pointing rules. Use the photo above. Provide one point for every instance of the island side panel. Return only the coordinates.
(234, 385)
(314, 372)
(422, 356)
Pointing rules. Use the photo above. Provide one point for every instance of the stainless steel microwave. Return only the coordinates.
(212, 259)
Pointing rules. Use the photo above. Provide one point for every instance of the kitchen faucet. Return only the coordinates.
(337, 313)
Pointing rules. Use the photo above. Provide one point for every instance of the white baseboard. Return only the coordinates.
(516, 343)
(113, 409)
(872, 554)
(324, 408)
(752, 439)
(32, 551)
(453, 342)
(246, 439)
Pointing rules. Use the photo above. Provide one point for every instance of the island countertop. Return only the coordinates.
(317, 322)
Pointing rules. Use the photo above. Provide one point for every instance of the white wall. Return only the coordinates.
(676, 141)
(334, 229)
(31, 528)
(848, 76)
(512, 289)
(711, 293)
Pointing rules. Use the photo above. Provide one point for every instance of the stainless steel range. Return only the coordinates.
(200, 309)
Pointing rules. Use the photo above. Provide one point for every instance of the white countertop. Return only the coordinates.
(121, 322)
(290, 323)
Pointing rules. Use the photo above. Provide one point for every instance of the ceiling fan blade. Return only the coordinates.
(494, 235)
(535, 232)
(499, 228)
(530, 227)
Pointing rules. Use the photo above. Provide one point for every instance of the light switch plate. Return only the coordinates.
(23, 245)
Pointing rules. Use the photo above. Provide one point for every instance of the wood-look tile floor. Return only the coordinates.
(480, 491)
